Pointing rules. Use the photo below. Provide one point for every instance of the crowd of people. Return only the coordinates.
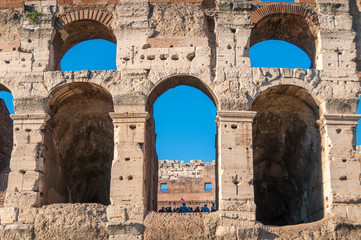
(185, 209)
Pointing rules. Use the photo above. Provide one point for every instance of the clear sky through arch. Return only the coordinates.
(95, 54)
(8, 99)
(278, 54)
(185, 125)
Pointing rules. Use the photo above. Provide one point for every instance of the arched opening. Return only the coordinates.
(74, 33)
(288, 184)
(93, 55)
(181, 134)
(278, 54)
(6, 136)
(79, 145)
(291, 28)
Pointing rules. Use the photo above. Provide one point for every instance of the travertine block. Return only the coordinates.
(31, 181)
(8, 215)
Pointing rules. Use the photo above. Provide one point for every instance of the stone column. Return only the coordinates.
(127, 187)
(341, 164)
(235, 162)
(26, 161)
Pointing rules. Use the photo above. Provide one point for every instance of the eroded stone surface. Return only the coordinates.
(159, 46)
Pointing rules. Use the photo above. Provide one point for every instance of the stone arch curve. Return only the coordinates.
(291, 23)
(70, 91)
(284, 8)
(173, 81)
(298, 87)
(78, 14)
(78, 25)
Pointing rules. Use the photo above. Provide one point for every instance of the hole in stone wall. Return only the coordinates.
(6, 135)
(233, 126)
(338, 131)
(343, 178)
(287, 157)
(208, 187)
(184, 119)
(164, 187)
(132, 126)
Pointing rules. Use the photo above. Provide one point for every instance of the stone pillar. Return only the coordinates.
(26, 161)
(235, 162)
(127, 186)
(336, 50)
(341, 165)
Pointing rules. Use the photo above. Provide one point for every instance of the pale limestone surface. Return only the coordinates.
(160, 46)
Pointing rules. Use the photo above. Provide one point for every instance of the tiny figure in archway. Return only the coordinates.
(205, 208)
(213, 208)
(183, 208)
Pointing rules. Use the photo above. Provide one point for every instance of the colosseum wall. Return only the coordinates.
(287, 165)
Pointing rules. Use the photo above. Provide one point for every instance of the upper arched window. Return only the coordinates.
(78, 26)
(288, 22)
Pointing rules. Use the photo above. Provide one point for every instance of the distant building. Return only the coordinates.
(194, 182)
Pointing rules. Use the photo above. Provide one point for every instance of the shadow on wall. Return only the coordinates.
(287, 157)
(79, 140)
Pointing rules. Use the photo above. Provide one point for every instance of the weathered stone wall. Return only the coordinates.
(163, 44)
(186, 181)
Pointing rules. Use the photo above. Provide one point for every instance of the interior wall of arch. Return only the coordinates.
(6, 141)
(288, 169)
(79, 147)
